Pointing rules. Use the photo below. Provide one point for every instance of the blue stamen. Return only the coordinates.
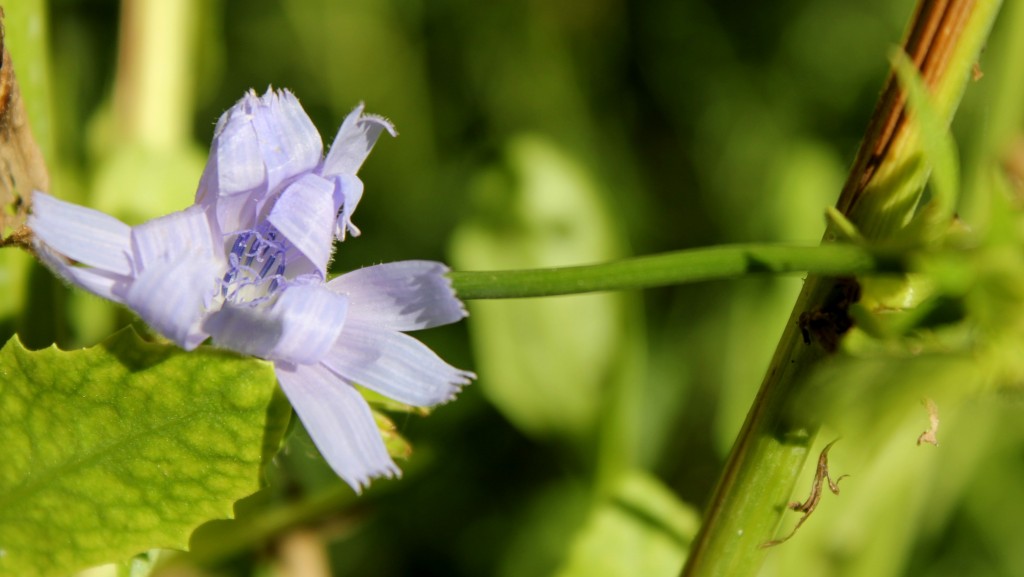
(266, 267)
(278, 275)
(241, 282)
(240, 242)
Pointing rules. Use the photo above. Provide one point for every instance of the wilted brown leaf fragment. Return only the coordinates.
(807, 507)
(22, 169)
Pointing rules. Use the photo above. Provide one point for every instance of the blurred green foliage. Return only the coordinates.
(541, 133)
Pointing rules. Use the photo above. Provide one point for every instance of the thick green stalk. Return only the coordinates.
(944, 41)
(685, 266)
(153, 91)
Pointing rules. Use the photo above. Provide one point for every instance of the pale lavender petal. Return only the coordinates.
(289, 143)
(313, 319)
(355, 140)
(237, 212)
(401, 296)
(187, 232)
(81, 234)
(172, 297)
(304, 215)
(348, 190)
(94, 280)
(300, 327)
(206, 192)
(244, 329)
(394, 364)
(236, 163)
(339, 421)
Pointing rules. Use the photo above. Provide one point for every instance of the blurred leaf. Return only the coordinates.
(643, 529)
(137, 184)
(14, 267)
(993, 503)
(545, 526)
(869, 397)
(542, 362)
(391, 76)
(124, 447)
(896, 495)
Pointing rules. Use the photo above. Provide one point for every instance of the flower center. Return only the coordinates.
(256, 266)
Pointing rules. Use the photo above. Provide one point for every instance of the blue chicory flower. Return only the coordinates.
(246, 266)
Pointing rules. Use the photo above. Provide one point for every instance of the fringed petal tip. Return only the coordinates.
(282, 94)
(463, 311)
(452, 303)
(359, 115)
(354, 141)
(339, 421)
(404, 296)
(459, 380)
(394, 364)
(381, 121)
(358, 484)
(466, 378)
(269, 95)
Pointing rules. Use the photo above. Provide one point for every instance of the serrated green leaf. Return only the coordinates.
(125, 447)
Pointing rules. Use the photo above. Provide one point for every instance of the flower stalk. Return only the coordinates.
(678, 267)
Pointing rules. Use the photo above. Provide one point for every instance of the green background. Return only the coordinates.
(539, 134)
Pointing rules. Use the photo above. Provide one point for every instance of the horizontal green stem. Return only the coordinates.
(679, 267)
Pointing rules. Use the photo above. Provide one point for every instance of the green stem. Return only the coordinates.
(685, 266)
(945, 41)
